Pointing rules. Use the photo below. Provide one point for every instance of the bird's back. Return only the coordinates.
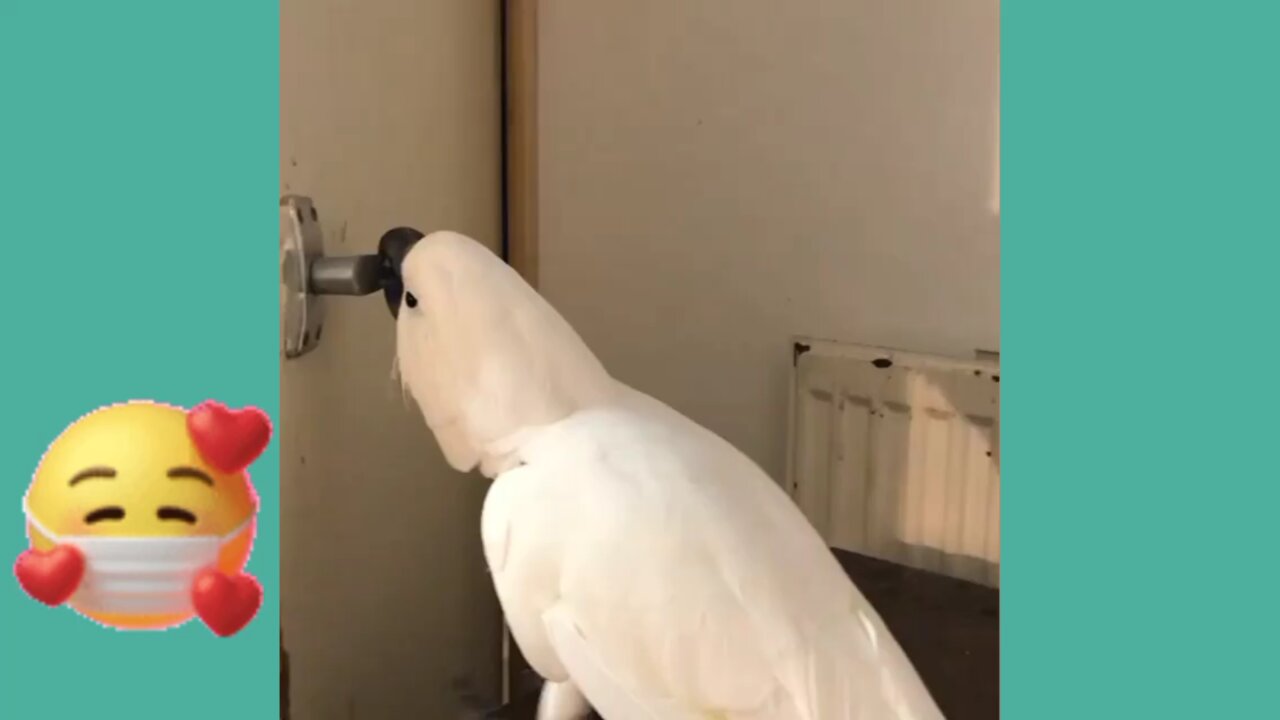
(737, 598)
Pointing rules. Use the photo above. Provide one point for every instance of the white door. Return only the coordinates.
(390, 115)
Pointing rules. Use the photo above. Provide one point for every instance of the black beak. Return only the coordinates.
(392, 248)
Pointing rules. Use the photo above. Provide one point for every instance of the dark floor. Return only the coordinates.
(949, 628)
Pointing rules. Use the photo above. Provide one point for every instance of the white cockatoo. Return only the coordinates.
(645, 566)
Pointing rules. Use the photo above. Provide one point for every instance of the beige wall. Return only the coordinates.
(718, 176)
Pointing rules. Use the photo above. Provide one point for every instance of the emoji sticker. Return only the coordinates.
(141, 516)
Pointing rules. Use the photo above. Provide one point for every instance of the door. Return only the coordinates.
(390, 115)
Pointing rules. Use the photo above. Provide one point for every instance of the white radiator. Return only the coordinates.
(897, 456)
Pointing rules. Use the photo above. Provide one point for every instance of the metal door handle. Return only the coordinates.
(307, 274)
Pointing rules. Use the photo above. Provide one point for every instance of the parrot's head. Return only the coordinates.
(484, 356)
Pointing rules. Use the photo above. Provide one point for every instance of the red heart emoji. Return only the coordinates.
(50, 577)
(225, 603)
(228, 439)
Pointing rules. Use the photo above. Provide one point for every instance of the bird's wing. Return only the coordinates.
(638, 624)
(522, 537)
(611, 697)
(823, 641)
(666, 571)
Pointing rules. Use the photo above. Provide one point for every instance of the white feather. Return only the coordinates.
(636, 555)
(483, 354)
(562, 701)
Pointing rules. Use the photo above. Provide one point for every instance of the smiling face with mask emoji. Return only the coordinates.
(141, 516)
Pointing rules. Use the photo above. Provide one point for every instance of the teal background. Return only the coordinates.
(138, 213)
(1141, 311)
(1141, 218)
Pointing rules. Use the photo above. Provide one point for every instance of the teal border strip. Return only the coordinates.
(138, 197)
(1141, 220)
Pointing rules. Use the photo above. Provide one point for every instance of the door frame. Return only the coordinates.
(520, 136)
(519, 206)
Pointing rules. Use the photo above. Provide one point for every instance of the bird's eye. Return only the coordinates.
(410, 300)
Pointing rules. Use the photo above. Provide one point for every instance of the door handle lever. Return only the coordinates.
(307, 274)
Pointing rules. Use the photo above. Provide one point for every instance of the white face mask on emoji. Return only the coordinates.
(139, 575)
